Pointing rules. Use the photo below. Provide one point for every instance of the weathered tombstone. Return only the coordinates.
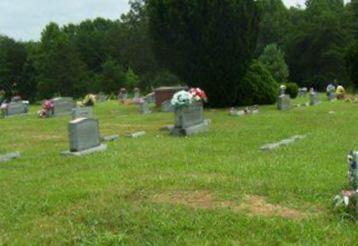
(123, 95)
(144, 108)
(150, 98)
(84, 137)
(15, 108)
(302, 91)
(283, 102)
(314, 98)
(101, 97)
(82, 112)
(331, 92)
(136, 93)
(349, 198)
(190, 120)
(63, 106)
(167, 106)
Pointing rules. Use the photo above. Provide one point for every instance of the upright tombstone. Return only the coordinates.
(189, 120)
(349, 197)
(84, 137)
(82, 112)
(302, 92)
(167, 106)
(101, 97)
(15, 108)
(63, 106)
(331, 92)
(136, 94)
(284, 100)
(144, 107)
(314, 98)
(123, 95)
(150, 98)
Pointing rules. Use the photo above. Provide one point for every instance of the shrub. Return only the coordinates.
(258, 86)
(292, 90)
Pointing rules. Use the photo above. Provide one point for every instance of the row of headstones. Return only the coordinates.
(284, 100)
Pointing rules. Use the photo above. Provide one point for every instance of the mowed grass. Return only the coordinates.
(215, 188)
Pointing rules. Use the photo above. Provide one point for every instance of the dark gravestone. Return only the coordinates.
(283, 102)
(15, 108)
(189, 120)
(82, 112)
(83, 134)
(63, 106)
(314, 98)
(167, 106)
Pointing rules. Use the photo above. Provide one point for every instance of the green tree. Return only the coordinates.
(13, 56)
(273, 25)
(273, 59)
(259, 86)
(352, 62)
(207, 44)
(61, 70)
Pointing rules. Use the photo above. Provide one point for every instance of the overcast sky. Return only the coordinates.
(25, 19)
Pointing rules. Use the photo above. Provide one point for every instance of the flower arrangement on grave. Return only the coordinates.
(47, 109)
(348, 199)
(187, 98)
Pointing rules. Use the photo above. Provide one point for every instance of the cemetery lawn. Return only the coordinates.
(215, 188)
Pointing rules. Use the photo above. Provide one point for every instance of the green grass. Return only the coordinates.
(108, 198)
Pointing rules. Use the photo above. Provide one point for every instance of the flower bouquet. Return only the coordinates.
(47, 109)
(187, 98)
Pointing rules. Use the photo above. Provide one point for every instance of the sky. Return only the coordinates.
(25, 19)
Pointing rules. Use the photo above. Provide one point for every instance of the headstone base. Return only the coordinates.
(99, 148)
(192, 130)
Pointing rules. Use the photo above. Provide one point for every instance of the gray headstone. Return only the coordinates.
(167, 106)
(283, 102)
(190, 120)
(150, 98)
(82, 112)
(302, 91)
(101, 97)
(353, 169)
(144, 108)
(314, 99)
(331, 96)
(189, 116)
(83, 134)
(15, 108)
(63, 106)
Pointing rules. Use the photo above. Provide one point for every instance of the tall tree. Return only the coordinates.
(60, 69)
(273, 58)
(13, 56)
(208, 44)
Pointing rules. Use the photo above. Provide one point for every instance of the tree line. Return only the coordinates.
(230, 48)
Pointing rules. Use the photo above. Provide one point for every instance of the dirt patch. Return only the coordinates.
(254, 205)
(258, 205)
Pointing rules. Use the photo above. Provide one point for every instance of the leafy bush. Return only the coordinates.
(258, 86)
(292, 90)
(273, 58)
